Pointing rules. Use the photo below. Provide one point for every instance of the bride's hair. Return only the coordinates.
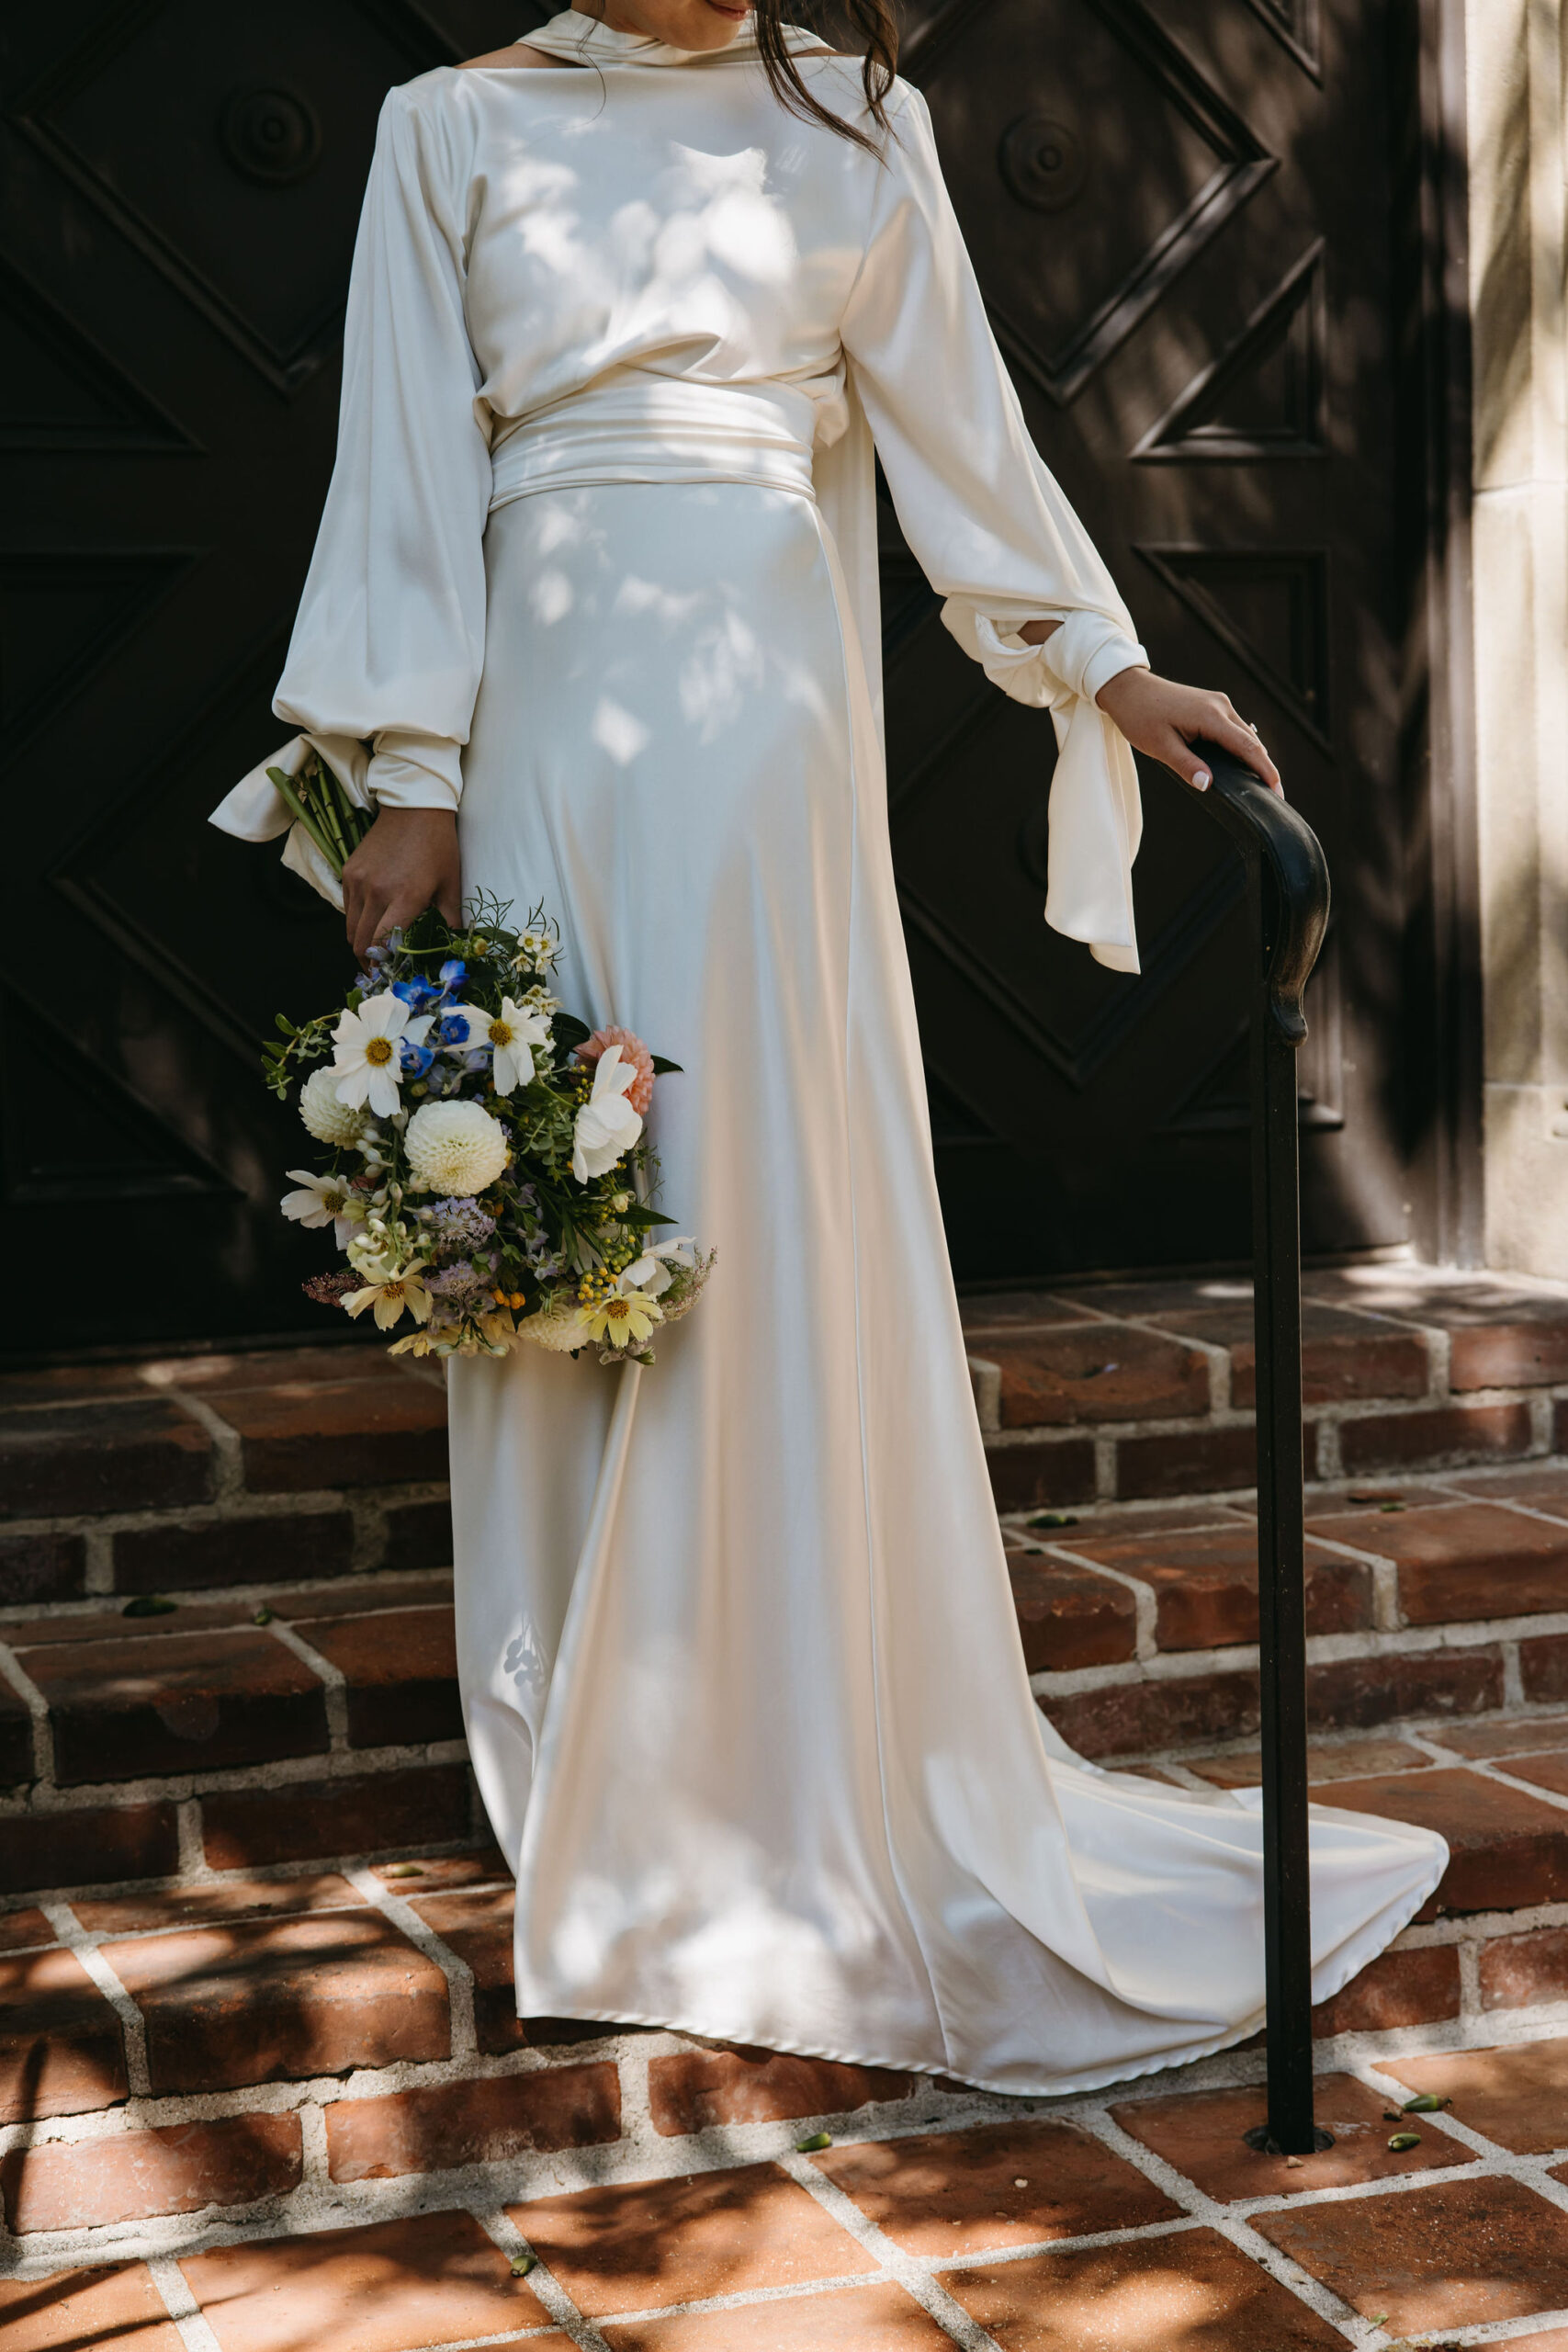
(871, 21)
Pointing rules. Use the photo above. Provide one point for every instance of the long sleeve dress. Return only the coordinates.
(743, 1685)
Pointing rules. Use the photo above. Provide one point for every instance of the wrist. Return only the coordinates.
(1124, 689)
(399, 820)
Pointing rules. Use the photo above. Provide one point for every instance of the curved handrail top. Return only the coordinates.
(1266, 829)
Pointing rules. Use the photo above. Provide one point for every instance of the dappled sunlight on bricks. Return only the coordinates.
(146, 1705)
(1189, 2292)
(451, 2125)
(695, 2090)
(179, 2169)
(261, 2001)
(112, 2308)
(400, 1668)
(994, 2185)
(1448, 2256)
(1506, 1849)
(850, 2319)
(313, 2079)
(61, 2051)
(433, 2278)
(1201, 2133)
(1516, 2096)
(644, 2247)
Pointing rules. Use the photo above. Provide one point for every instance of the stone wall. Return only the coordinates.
(1514, 78)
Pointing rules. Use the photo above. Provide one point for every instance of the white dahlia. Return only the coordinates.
(455, 1148)
(330, 1121)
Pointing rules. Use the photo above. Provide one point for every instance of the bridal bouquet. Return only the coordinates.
(488, 1172)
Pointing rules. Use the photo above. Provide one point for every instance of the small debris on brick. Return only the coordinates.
(1428, 2103)
(523, 2263)
(1402, 2140)
(817, 2140)
(404, 1870)
(262, 1616)
(149, 1604)
(1053, 1519)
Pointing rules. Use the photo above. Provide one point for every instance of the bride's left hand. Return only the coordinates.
(1163, 719)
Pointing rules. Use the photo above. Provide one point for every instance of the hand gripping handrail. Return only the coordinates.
(1287, 897)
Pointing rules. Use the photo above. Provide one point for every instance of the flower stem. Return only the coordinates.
(302, 817)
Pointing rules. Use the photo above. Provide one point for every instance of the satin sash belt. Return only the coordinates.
(659, 428)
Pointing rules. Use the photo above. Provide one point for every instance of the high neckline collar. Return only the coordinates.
(577, 39)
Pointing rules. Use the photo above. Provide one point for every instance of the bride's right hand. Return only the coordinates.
(407, 861)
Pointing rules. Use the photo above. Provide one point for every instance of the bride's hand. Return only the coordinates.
(1163, 719)
(407, 861)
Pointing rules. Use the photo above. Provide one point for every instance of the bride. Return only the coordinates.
(632, 302)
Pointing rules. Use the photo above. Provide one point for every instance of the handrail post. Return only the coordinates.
(1287, 895)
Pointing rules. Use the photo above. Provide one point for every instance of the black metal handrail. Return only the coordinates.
(1287, 897)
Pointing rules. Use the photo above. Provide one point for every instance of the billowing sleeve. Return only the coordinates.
(991, 528)
(389, 636)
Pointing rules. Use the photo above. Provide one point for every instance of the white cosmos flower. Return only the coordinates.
(368, 1065)
(513, 1033)
(606, 1125)
(330, 1121)
(388, 1290)
(325, 1200)
(653, 1272)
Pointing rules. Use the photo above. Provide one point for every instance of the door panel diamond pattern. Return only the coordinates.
(1264, 396)
(1268, 607)
(1063, 303)
(286, 96)
(1294, 26)
(60, 390)
(63, 613)
(155, 878)
(72, 1131)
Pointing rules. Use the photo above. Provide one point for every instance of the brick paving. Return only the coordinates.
(1138, 2223)
(261, 2081)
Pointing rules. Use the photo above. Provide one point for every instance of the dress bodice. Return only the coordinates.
(632, 238)
(668, 229)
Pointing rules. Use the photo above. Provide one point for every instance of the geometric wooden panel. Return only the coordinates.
(1263, 397)
(59, 389)
(281, 104)
(1075, 266)
(72, 1130)
(62, 613)
(1294, 24)
(1268, 607)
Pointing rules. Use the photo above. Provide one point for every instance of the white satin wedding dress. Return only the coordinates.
(743, 1684)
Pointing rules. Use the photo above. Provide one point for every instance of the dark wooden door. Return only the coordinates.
(1193, 285)
(181, 186)
(1183, 218)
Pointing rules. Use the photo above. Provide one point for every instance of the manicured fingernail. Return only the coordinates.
(1202, 779)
